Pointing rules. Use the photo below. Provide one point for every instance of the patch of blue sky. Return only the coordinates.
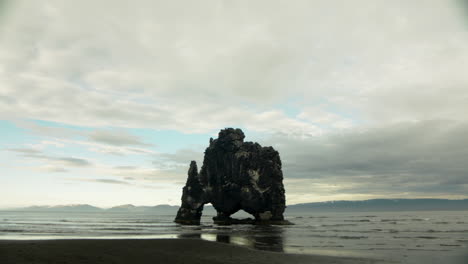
(331, 107)
(291, 107)
(344, 111)
(166, 141)
(12, 136)
(61, 125)
(169, 141)
(351, 114)
(161, 141)
(11, 161)
(97, 156)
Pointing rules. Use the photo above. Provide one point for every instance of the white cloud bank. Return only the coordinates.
(395, 69)
(200, 66)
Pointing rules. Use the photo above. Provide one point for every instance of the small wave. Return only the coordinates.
(299, 246)
(119, 229)
(418, 219)
(441, 223)
(450, 245)
(353, 237)
(127, 234)
(420, 237)
(328, 246)
(323, 236)
(444, 231)
(359, 220)
(427, 237)
(12, 230)
(457, 231)
(420, 249)
(335, 225)
(349, 231)
(384, 248)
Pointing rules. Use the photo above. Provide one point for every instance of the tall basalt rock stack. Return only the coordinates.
(235, 175)
(192, 198)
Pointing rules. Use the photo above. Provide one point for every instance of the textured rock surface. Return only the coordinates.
(235, 175)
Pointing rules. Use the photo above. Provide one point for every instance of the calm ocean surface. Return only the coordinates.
(405, 237)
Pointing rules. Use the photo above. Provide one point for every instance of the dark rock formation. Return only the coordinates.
(235, 175)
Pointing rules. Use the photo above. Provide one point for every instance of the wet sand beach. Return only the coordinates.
(176, 251)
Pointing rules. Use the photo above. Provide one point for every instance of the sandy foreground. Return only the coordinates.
(189, 251)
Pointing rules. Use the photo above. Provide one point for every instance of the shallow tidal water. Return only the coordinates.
(403, 237)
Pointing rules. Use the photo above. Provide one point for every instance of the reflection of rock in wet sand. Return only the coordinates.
(223, 238)
(189, 235)
(268, 238)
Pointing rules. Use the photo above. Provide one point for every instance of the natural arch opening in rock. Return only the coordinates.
(241, 214)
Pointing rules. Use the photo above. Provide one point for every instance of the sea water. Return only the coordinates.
(404, 237)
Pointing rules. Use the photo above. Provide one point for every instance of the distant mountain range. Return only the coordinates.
(332, 206)
(382, 205)
(70, 207)
(163, 209)
(126, 208)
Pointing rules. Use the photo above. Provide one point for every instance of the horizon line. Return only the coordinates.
(209, 204)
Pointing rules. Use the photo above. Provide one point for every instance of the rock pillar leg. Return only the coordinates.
(192, 199)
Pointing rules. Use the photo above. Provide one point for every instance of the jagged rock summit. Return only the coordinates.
(235, 175)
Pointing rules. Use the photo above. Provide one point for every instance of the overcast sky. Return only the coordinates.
(106, 102)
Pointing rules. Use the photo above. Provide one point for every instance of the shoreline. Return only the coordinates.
(141, 251)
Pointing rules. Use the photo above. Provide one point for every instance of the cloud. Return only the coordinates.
(149, 175)
(25, 151)
(116, 138)
(112, 137)
(109, 181)
(232, 64)
(51, 168)
(45, 130)
(361, 99)
(125, 167)
(417, 158)
(73, 162)
(56, 160)
(104, 148)
(325, 119)
(180, 159)
(107, 141)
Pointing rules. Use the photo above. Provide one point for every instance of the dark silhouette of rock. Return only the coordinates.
(192, 198)
(235, 175)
